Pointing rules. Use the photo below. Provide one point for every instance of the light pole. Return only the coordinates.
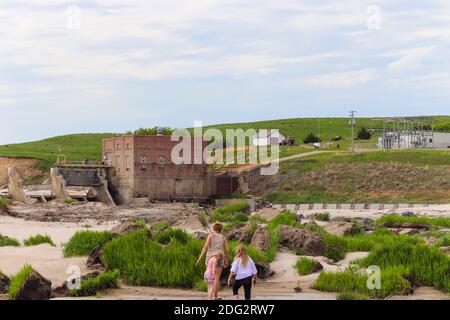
(352, 120)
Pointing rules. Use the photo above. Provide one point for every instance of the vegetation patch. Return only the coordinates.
(83, 242)
(393, 282)
(18, 280)
(426, 264)
(3, 204)
(37, 240)
(7, 241)
(145, 262)
(348, 295)
(71, 200)
(322, 216)
(305, 266)
(92, 286)
(231, 213)
(395, 220)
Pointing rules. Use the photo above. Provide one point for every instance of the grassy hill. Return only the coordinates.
(74, 146)
(329, 127)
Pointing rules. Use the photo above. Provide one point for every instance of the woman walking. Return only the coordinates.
(214, 243)
(244, 271)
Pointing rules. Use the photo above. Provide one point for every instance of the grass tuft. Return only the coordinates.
(8, 242)
(18, 280)
(37, 240)
(93, 286)
(305, 266)
(83, 242)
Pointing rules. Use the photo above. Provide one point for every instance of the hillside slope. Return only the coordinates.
(378, 177)
(74, 146)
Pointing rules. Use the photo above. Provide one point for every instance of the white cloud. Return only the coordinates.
(410, 59)
(342, 79)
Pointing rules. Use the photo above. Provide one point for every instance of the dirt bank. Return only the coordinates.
(26, 167)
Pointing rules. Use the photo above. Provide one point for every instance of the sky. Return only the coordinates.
(118, 65)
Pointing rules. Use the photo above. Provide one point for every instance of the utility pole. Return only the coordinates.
(352, 120)
(318, 132)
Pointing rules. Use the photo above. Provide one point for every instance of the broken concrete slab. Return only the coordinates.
(58, 185)
(15, 186)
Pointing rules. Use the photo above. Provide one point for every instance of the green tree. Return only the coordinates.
(166, 131)
(311, 138)
(364, 134)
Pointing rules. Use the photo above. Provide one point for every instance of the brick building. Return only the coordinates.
(141, 166)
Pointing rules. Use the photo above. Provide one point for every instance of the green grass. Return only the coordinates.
(3, 204)
(7, 241)
(145, 262)
(17, 281)
(300, 127)
(393, 220)
(347, 295)
(305, 266)
(82, 242)
(37, 240)
(231, 213)
(322, 216)
(336, 247)
(71, 200)
(171, 234)
(393, 282)
(427, 264)
(75, 146)
(92, 286)
(201, 285)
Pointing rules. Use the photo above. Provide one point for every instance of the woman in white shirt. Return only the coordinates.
(244, 271)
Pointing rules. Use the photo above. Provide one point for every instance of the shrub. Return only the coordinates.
(143, 261)
(353, 280)
(83, 242)
(305, 266)
(91, 286)
(427, 264)
(311, 138)
(323, 216)
(363, 134)
(17, 281)
(7, 241)
(37, 240)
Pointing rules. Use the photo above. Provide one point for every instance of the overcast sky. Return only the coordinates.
(116, 65)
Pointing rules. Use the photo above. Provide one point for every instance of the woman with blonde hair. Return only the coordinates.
(214, 243)
(244, 271)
